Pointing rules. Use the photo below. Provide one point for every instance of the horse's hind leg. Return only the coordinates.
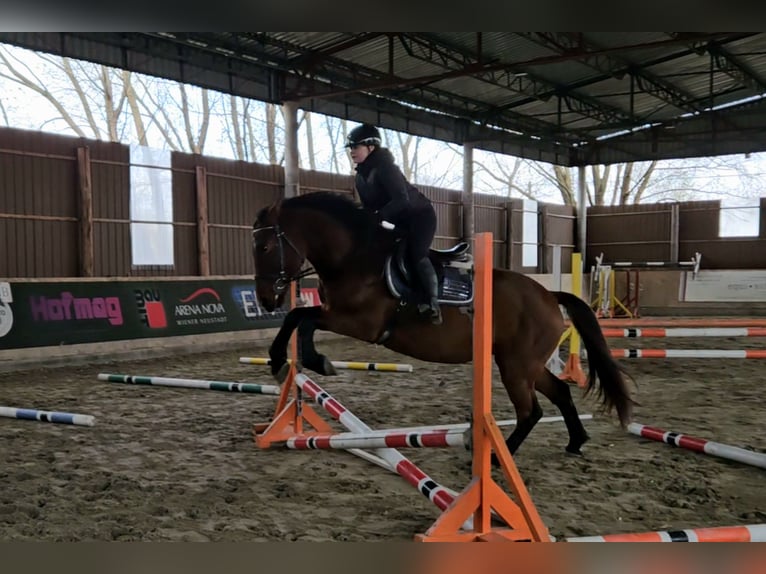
(526, 421)
(522, 395)
(559, 394)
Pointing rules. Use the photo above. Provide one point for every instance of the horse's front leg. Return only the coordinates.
(310, 358)
(278, 348)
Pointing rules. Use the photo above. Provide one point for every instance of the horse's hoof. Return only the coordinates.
(320, 364)
(276, 364)
(327, 367)
(575, 445)
(281, 375)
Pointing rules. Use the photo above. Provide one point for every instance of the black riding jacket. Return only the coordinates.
(383, 188)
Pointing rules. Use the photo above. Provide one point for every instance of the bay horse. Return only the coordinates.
(348, 251)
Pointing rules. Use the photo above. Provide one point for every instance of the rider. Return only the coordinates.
(384, 190)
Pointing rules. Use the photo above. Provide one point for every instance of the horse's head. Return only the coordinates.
(277, 260)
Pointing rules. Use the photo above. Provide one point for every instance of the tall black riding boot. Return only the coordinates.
(430, 283)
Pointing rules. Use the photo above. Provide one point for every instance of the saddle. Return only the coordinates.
(453, 266)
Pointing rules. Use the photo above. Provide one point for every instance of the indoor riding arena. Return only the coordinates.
(165, 463)
(133, 391)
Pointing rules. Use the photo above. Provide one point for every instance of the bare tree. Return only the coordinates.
(436, 170)
(335, 131)
(506, 175)
(628, 182)
(109, 102)
(19, 72)
(235, 137)
(409, 156)
(195, 137)
(4, 113)
(135, 109)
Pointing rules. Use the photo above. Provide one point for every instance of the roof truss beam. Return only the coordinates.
(729, 64)
(319, 81)
(332, 77)
(511, 76)
(613, 65)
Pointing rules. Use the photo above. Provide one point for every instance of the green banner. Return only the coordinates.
(65, 313)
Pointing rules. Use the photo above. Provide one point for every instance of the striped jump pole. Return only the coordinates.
(343, 365)
(659, 332)
(378, 439)
(699, 445)
(464, 426)
(681, 322)
(427, 486)
(689, 353)
(48, 416)
(747, 533)
(191, 384)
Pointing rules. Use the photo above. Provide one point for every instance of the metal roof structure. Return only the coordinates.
(565, 98)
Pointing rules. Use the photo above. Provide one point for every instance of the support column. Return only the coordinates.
(509, 234)
(468, 225)
(85, 213)
(675, 225)
(582, 213)
(292, 173)
(203, 232)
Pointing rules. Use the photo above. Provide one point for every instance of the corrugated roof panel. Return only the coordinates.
(567, 72)
(312, 40)
(640, 52)
(375, 54)
(491, 95)
(501, 46)
(691, 75)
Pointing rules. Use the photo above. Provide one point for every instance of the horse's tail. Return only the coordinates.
(613, 389)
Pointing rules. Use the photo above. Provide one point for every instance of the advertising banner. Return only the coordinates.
(65, 313)
(726, 286)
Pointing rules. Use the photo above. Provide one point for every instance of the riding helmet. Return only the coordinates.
(365, 134)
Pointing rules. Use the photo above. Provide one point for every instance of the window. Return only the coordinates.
(737, 220)
(529, 234)
(151, 206)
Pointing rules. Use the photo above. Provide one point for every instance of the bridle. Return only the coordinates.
(282, 280)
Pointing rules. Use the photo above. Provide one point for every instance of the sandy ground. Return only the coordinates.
(175, 464)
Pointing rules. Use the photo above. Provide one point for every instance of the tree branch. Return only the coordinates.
(135, 110)
(168, 129)
(20, 78)
(644, 182)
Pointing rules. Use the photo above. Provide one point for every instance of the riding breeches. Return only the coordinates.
(421, 228)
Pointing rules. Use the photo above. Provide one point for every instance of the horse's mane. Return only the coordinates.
(342, 208)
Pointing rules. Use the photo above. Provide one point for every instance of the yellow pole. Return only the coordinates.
(574, 339)
(573, 369)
